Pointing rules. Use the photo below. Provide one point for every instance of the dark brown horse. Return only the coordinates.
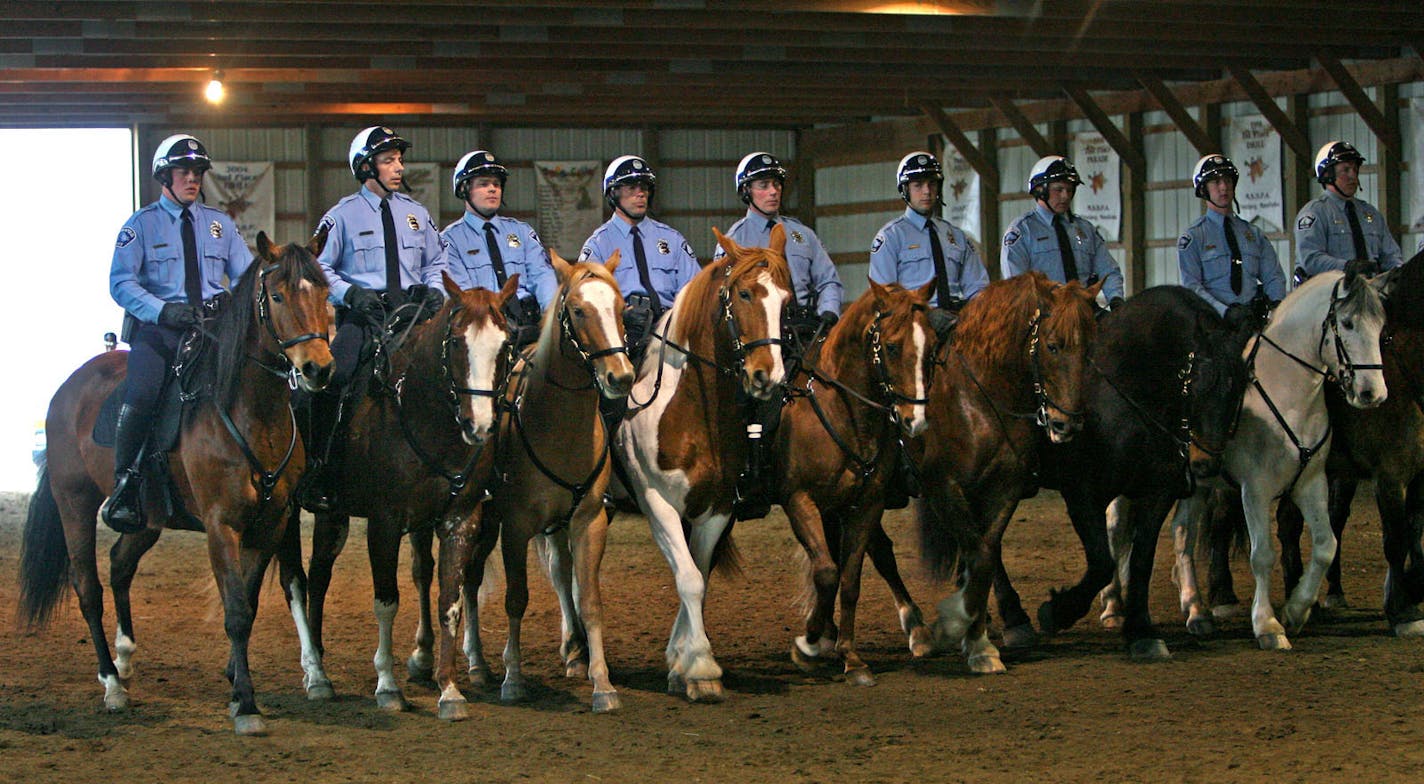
(1016, 365)
(837, 447)
(237, 460)
(415, 459)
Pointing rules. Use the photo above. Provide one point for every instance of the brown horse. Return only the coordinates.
(553, 464)
(683, 440)
(237, 460)
(1016, 364)
(837, 447)
(415, 459)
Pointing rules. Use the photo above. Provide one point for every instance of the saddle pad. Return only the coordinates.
(164, 434)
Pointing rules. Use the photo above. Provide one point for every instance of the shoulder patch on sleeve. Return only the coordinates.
(687, 248)
(1184, 241)
(534, 236)
(1011, 237)
(327, 222)
(1305, 222)
(877, 242)
(126, 236)
(585, 254)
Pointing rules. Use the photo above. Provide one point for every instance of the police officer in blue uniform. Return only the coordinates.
(383, 254)
(917, 246)
(170, 258)
(1054, 241)
(1336, 229)
(484, 248)
(1224, 259)
(661, 260)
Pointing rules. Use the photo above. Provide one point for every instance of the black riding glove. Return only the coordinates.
(941, 321)
(365, 302)
(1236, 315)
(829, 319)
(434, 301)
(1115, 303)
(1361, 267)
(178, 315)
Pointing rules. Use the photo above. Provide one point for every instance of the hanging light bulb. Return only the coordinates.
(214, 92)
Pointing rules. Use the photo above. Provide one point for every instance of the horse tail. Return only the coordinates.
(44, 557)
(947, 526)
(726, 558)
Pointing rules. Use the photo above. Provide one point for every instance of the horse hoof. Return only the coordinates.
(1045, 620)
(125, 670)
(116, 703)
(1110, 620)
(1222, 611)
(1334, 601)
(1409, 630)
(479, 677)
(577, 670)
(454, 710)
(804, 662)
(1201, 626)
(321, 692)
(709, 690)
(860, 676)
(676, 686)
(606, 702)
(1020, 637)
(249, 725)
(392, 701)
(921, 645)
(512, 692)
(1273, 642)
(986, 664)
(1294, 621)
(1149, 651)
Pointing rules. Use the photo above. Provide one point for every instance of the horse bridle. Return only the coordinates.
(1041, 397)
(1346, 375)
(734, 332)
(292, 372)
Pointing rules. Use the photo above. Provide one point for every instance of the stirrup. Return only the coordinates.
(312, 493)
(123, 509)
(751, 500)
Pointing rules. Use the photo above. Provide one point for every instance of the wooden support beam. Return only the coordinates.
(1134, 214)
(1132, 156)
(1389, 164)
(1199, 138)
(990, 229)
(1300, 185)
(1023, 125)
(988, 172)
(1288, 130)
(1384, 130)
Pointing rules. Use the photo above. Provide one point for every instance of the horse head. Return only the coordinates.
(1058, 350)
(754, 287)
(1348, 341)
(899, 346)
(590, 315)
(290, 302)
(1211, 381)
(475, 353)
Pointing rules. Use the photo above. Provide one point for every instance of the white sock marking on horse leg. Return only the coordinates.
(312, 672)
(451, 694)
(384, 660)
(124, 647)
(452, 615)
(116, 697)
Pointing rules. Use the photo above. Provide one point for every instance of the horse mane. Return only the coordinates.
(1405, 306)
(697, 303)
(992, 325)
(858, 314)
(1360, 299)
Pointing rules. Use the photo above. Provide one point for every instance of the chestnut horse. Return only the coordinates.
(851, 402)
(553, 464)
(237, 460)
(415, 458)
(1017, 363)
(683, 439)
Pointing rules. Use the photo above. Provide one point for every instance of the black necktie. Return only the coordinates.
(770, 224)
(388, 224)
(942, 298)
(1235, 255)
(192, 278)
(1065, 248)
(641, 257)
(1362, 251)
(496, 258)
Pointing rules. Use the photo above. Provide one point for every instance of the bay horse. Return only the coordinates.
(1165, 381)
(415, 459)
(683, 439)
(852, 400)
(237, 460)
(1015, 367)
(553, 464)
(1326, 330)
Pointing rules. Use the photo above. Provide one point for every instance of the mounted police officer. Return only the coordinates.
(760, 180)
(484, 248)
(1337, 230)
(1226, 260)
(663, 262)
(917, 246)
(170, 258)
(382, 253)
(1054, 241)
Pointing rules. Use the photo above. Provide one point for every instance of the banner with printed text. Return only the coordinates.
(961, 193)
(245, 191)
(423, 182)
(1415, 219)
(570, 203)
(1099, 198)
(1255, 148)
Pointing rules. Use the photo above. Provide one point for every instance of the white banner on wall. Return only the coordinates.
(1099, 198)
(423, 183)
(245, 192)
(570, 204)
(1416, 164)
(1255, 148)
(961, 194)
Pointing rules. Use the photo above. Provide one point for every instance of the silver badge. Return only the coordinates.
(663, 247)
(512, 239)
(796, 235)
(413, 221)
(216, 230)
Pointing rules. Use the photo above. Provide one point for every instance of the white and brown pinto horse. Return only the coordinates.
(683, 439)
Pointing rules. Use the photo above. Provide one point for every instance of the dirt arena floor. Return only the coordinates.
(1342, 706)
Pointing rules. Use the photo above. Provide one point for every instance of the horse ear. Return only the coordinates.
(613, 261)
(264, 246)
(1384, 283)
(511, 288)
(451, 287)
(561, 267)
(926, 291)
(880, 293)
(730, 245)
(318, 240)
(778, 240)
(1094, 289)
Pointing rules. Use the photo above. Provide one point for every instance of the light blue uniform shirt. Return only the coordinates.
(355, 249)
(1032, 244)
(1323, 241)
(671, 262)
(813, 275)
(901, 254)
(467, 257)
(147, 269)
(1204, 258)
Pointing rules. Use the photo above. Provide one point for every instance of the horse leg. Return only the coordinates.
(478, 671)
(692, 670)
(1342, 495)
(515, 549)
(1312, 496)
(1225, 517)
(553, 551)
(968, 608)
(1144, 519)
(421, 664)
(383, 547)
(1065, 608)
(912, 621)
(294, 587)
(1120, 542)
(78, 508)
(238, 572)
(588, 544)
(702, 674)
(1018, 628)
(123, 563)
(809, 526)
(855, 537)
(328, 539)
(1186, 521)
(457, 542)
(1290, 524)
(1403, 616)
(1413, 578)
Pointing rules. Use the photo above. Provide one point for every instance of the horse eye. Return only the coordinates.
(277, 298)
(1053, 348)
(893, 350)
(1348, 324)
(745, 295)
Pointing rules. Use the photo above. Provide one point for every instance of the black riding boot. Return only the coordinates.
(123, 511)
(324, 448)
(753, 485)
